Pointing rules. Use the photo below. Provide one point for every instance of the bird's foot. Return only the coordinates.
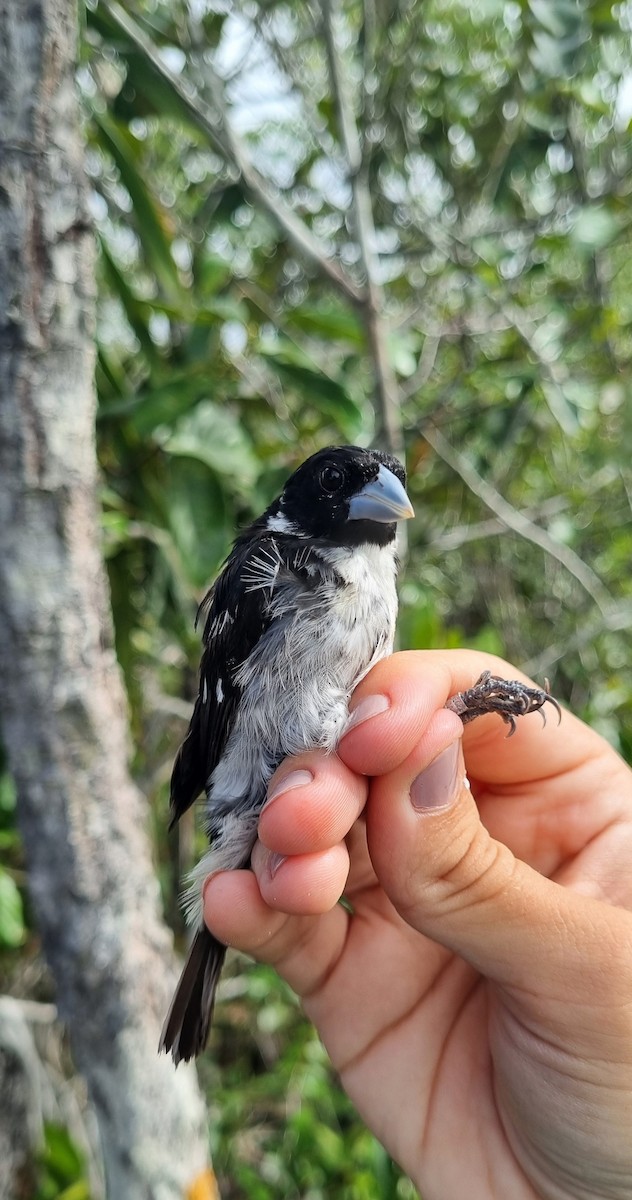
(507, 697)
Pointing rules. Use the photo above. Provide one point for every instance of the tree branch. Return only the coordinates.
(225, 140)
(388, 407)
(517, 521)
(617, 619)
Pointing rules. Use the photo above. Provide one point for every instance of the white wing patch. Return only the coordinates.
(301, 561)
(262, 570)
(219, 624)
(219, 691)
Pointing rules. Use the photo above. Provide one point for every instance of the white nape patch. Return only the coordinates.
(279, 523)
(219, 691)
(204, 691)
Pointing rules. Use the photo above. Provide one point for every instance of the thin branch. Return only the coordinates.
(595, 266)
(460, 535)
(518, 521)
(385, 380)
(294, 72)
(228, 143)
(425, 366)
(617, 619)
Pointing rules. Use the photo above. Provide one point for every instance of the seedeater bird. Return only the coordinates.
(303, 608)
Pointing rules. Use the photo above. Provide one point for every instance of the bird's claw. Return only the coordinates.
(508, 697)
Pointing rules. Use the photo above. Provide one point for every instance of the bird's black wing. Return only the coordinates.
(237, 612)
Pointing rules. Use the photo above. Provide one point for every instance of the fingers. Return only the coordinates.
(313, 801)
(452, 881)
(300, 866)
(305, 883)
(414, 685)
(444, 871)
(303, 949)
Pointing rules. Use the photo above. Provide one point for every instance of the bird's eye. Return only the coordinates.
(331, 479)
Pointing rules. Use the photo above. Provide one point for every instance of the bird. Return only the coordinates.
(304, 606)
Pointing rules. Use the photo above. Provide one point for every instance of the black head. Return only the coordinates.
(345, 495)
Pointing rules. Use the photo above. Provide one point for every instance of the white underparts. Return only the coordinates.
(296, 684)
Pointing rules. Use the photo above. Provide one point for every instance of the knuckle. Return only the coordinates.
(472, 871)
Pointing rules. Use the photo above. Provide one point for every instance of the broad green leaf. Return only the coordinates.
(197, 517)
(152, 94)
(163, 404)
(62, 1159)
(8, 798)
(315, 387)
(151, 88)
(214, 436)
(329, 321)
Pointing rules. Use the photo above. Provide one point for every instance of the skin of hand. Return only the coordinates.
(477, 1003)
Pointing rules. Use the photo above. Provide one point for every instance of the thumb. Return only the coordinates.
(449, 879)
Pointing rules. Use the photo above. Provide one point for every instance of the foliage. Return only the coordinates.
(12, 927)
(319, 223)
(280, 1125)
(61, 1172)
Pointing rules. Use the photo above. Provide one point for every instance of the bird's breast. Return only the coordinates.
(295, 685)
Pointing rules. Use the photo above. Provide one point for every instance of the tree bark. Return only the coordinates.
(62, 704)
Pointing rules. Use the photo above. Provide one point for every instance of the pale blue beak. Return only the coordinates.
(383, 499)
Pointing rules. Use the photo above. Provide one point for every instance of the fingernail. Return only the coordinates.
(274, 862)
(295, 779)
(437, 786)
(369, 707)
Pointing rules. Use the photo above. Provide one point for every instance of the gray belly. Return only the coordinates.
(296, 688)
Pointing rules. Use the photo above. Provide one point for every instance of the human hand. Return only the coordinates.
(478, 1002)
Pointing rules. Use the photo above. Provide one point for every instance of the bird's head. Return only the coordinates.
(344, 495)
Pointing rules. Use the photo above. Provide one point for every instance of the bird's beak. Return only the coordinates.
(383, 499)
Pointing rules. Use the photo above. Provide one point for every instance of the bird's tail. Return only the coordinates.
(187, 1023)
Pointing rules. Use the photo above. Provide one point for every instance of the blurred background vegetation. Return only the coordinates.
(404, 222)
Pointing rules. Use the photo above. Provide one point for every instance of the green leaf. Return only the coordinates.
(214, 436)
(197, 518)
(326, 394)
(12, 928)
(61, 1158)
(151, 219)
(329, 321)
(135, 310)
(8, 796)
(151, 91)
(163, 404)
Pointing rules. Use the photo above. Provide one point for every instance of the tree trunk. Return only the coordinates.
(62, 703)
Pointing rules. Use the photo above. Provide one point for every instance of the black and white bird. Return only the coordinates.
(304, 606)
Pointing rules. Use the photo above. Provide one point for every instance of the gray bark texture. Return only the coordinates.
(62, 703)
